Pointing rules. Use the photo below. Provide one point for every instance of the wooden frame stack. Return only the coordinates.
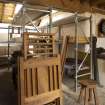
(38, 44)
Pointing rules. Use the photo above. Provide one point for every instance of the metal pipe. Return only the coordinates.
(84, 74)
(50, 20)
(23, 20)
(32, 22)
(83, 61)
(91, 51)
(39, 10)
(15, 29)
(76, 53)
(59, 38)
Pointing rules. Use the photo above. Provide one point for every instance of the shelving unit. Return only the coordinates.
(89, 53)
(77, 40)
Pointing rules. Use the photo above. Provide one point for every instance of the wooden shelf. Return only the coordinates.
(40, 38)
(41, 49)
(39, 34)
(42, 44)
(40, 54)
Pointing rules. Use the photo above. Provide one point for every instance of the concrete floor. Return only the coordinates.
(71, 97)
(8, 95)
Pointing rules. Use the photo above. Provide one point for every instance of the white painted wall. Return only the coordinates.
(3, 35)
(84, 30)
(101, 68)
(101, 42)
(3, 32)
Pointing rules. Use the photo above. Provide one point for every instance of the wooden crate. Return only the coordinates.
(38, 44)
(39, 81)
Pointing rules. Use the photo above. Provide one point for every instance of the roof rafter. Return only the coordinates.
(2, 12)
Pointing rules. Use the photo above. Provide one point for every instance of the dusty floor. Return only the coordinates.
(70, 97)
(8, 95)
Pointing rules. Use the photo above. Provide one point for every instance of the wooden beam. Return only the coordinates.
(98, 10)
(97, 2)
(66, 5)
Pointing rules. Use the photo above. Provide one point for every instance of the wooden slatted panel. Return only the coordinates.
(29, 88)
(39, 77)
(55, 77)
(51, 78)
(42, 80)
(33, 82)
(58, 76)
(25, 82)
(38, 44)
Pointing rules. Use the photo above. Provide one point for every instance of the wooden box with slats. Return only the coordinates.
(38, 45)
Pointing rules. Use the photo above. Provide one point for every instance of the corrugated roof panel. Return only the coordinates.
(8, 12)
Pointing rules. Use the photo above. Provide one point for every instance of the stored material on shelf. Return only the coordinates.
(38, 44)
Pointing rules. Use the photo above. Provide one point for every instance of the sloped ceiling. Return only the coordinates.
(65, 5)
(69, 5)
